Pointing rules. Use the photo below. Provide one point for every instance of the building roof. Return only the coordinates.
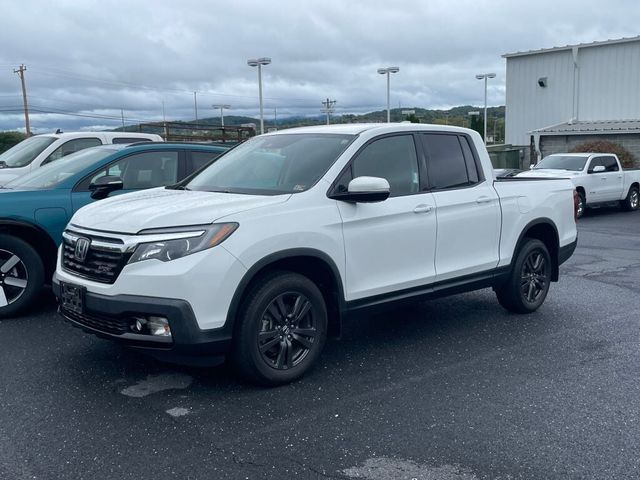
(591, 127)
(570, 47)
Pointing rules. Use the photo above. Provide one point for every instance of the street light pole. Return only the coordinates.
(258, 63)
(221, 107)
(485, 77)
(387, 71)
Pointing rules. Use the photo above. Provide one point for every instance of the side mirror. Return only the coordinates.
(365, 190)
(598, 169)
(103, 186)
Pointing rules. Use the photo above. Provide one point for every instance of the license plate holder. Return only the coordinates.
(72, 297)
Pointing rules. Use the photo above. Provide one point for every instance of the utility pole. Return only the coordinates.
(122, 115)
(329, 108)
(275, 117)
(20, 71)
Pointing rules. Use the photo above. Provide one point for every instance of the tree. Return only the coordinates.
(477, 124)
(9, 139)
(413, 118)
(603, 146)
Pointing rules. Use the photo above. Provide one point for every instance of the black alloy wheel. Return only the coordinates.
(534, 276)
(528, 283)
(280, 329)
(287, 331)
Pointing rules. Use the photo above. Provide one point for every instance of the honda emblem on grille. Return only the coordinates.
(82, 248)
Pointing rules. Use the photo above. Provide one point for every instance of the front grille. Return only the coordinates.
(99, 265)
(115, 326)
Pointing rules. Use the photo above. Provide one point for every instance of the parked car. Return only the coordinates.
(264, 252)
(39, 150)
(598, 177)
(35, 208)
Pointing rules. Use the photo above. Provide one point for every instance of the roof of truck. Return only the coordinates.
(358, 128)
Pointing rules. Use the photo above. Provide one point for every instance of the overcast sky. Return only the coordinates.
(94, 58)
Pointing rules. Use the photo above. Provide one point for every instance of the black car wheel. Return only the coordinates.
(529, 280)
(21, 275)
(280, 330)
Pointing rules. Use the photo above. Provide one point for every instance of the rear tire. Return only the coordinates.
(21, 275)
(632, 202)
(528, 283)
(280, 329)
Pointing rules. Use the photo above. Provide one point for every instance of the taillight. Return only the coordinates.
(576, 204)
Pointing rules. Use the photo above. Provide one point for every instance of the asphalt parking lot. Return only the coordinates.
(447, 390)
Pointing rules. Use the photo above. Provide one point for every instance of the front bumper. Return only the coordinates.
(101, 312)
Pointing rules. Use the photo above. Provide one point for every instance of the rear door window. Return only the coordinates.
(610, 164)
(447, 164)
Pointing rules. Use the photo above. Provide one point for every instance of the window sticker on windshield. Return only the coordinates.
(298, 188)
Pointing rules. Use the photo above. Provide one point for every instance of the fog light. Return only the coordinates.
(159, 326)
(138, 325)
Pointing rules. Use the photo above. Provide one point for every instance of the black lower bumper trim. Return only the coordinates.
(187, 339)
(565, 252)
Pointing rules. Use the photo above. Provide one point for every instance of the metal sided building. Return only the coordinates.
(562, 96)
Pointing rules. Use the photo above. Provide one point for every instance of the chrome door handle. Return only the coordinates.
(483, 200)
(603, 179)
(423, 208)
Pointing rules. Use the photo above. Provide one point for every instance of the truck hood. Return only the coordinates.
(162, 208)
(549, 172)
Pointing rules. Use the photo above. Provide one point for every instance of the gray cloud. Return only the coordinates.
(97, 57)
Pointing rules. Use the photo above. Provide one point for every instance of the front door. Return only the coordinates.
(389, 245)
(138, 171)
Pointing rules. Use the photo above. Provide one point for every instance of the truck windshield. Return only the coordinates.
(51, 175)
(563, 162)
(25, 152)
(273, 164)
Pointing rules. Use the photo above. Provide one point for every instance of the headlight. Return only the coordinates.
(173, 248)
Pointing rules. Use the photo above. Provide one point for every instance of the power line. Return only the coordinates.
(329, 108)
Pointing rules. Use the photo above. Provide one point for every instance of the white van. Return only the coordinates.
(39, 150)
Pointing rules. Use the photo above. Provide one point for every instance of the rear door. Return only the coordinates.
(389, 245)
(467, 207)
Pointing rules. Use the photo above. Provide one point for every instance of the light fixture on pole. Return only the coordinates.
(485, 77)
(221, 107)
(388, 71)
(258, 63)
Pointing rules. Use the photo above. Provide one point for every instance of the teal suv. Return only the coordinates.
(35, 208)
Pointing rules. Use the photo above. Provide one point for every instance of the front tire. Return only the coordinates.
(528, 283)
(280, 330)
(21, 275)
(582, 204)
(632, 201)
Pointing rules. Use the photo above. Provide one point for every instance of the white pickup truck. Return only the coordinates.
(598, 177)
(39, 150)
(263, 253)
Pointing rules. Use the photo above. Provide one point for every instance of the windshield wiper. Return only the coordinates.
(177, 187)
(3, 164)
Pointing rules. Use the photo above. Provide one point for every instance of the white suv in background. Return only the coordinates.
(264, 252)
(39, 150)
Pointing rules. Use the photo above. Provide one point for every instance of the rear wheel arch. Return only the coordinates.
(545, 230)
(38, 238)
(313, 264)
